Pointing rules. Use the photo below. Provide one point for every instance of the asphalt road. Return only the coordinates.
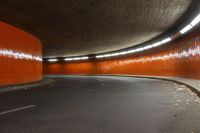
(101, 105)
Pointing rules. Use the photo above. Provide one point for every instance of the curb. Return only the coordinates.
(45, 81)
(193, 89)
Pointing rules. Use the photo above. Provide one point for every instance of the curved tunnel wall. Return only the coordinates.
(20, 56)
(181, 58)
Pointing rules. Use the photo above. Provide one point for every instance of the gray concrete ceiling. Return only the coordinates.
(81, 27)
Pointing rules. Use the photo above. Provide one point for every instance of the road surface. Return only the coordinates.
(101, 104)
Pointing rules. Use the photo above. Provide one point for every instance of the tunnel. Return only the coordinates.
(99, 66)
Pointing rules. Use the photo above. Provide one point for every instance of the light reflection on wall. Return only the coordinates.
(19, 55)
(184, 53)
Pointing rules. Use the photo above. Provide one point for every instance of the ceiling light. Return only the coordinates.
(187, 28)
(195, 21)
(148, 47)
(166, 40)
(156, 44)
(76, 58)
(107, 55)
(68, 59)
(52, 60)
(115, 54)
(139, 49)
(99, 56)
(132, 51)
(123, 53)
(84, 58)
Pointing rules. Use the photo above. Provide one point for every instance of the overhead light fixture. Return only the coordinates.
(186, 29)
(166, 40)
(148, 47)
(123, 53)
(107, 55)
(52, 60)
(132, 51)
(139, 49)
(196, 20)
(115, 54)
(99, 56)
(84, 58)
(156, 44)
(76, 58)
(68, 59)
(193, 23)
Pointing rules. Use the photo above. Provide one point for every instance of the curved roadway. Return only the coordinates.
(101, 104)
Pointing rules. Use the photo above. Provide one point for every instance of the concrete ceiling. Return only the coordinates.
(81, 27)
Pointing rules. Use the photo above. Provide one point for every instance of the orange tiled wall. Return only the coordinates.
(181, 58)
(13, 70)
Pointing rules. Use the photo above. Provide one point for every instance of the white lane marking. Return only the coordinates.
(100, 80)
(17, 109)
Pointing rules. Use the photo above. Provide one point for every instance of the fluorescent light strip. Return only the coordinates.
(19, 55)
(84, 58)
(186, 29)
(115, 54)
(139, 49)
(107, 55)
(157, 44)
(166, 40)
(148, 47)
(52, 60)
(99, 56)
(136, 50)
(68, 59)
(123, 53)
(195, 21)
(76, 58)
(132, 51)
